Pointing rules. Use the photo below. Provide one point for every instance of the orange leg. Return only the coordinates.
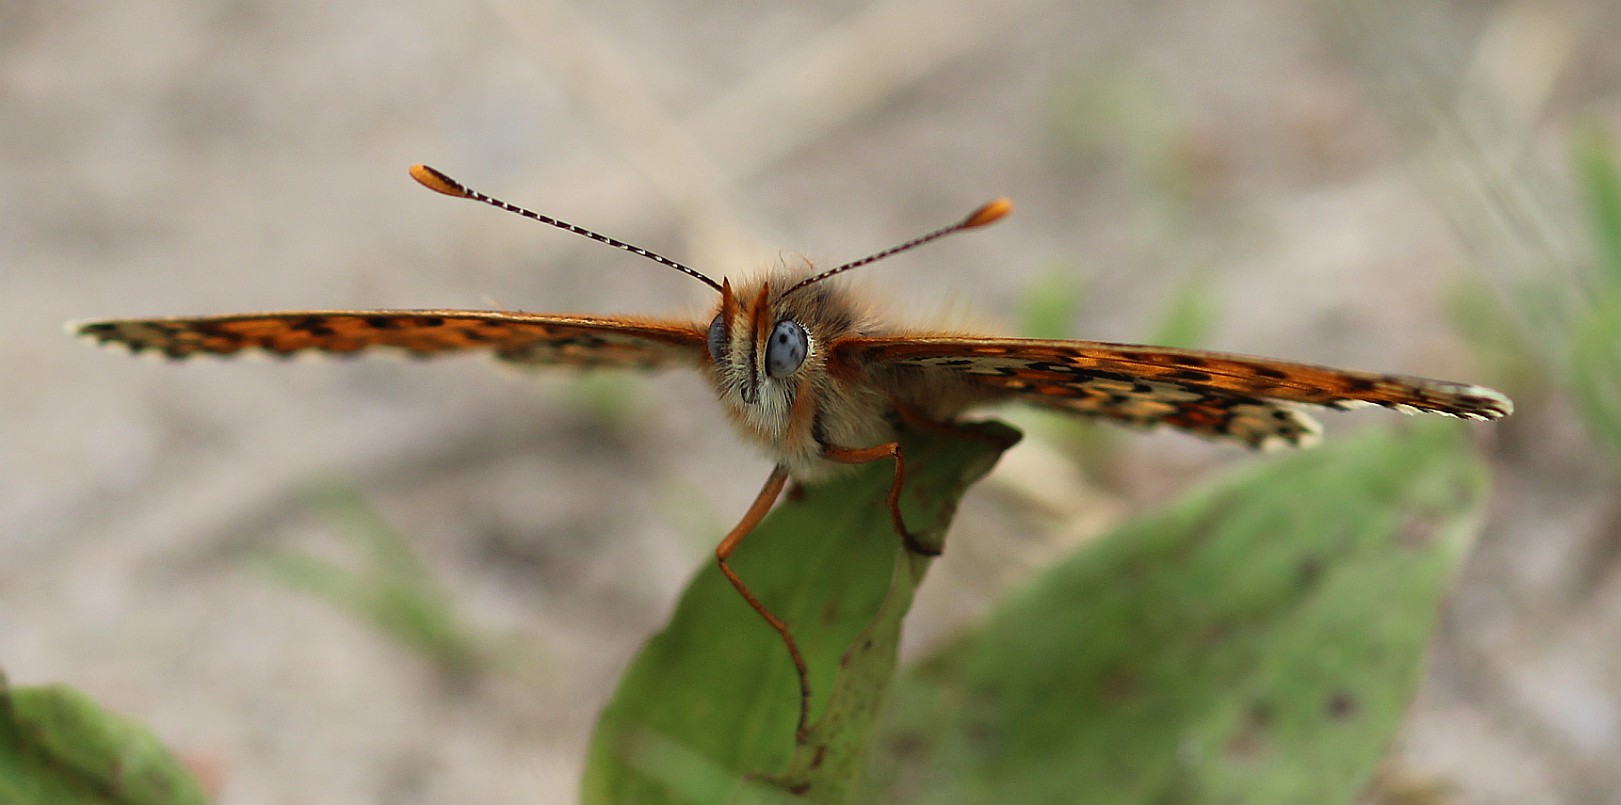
(723, 551)
(891, 450)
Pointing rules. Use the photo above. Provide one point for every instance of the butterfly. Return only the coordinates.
(804, 370)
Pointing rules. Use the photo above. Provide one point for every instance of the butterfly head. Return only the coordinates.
(767, 350)
(768, 341)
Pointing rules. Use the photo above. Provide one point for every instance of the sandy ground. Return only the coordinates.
(184, 157)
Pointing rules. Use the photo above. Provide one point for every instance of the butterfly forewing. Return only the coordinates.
(517, 337)
(1213, 414)
(1210, 393)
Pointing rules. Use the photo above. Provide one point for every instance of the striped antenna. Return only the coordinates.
(989, 213)
(440, 183)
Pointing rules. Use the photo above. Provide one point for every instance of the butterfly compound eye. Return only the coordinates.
(717, 338)
(786, 350)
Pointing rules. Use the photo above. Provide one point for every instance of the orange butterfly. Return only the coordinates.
(804, 371)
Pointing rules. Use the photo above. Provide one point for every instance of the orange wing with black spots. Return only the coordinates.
(1208, 393)
(517, 337)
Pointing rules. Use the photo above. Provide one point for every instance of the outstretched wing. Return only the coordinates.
(1208, 393)
(519, 337)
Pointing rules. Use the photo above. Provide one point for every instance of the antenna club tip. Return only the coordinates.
(993, 211)
(437, 182)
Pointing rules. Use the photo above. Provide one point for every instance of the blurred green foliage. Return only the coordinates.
(57, 747)
(1595, 361)
(1562, 328)
(612, 398)
(1600, 178)
(1499, 348)
(392, 589)
(1117, 110)
(1050, 302)
(1187, 321)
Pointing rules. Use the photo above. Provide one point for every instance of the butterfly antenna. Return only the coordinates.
(989, 213)
(440, 183)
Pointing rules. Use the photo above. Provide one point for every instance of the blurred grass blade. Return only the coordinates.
(1257, 642)
(706, 711)
(1498, 347)
(1595, 371)
(57, 747)
(1600, 178)
(1191, 315)
(1595, 357)
(393, 589)
(1049, 304)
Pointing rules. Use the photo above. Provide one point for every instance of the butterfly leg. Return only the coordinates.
(723, 552)
(890, 450)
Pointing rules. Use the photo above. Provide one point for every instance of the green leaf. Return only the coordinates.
(57, 747)
(1256, 642)
(706, 711)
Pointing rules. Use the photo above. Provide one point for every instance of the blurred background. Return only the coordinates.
(1401, 186)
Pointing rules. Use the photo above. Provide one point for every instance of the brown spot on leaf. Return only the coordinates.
(1309, 571)
(1341, 704)
(1419, 532)
(1117, 686)
(1250, 739)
